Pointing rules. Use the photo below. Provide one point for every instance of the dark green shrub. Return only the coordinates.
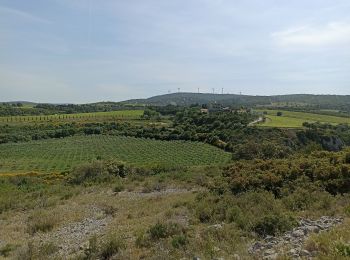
(179, 241)
(347, 158)
(204, 215)
(111, 247)
(158, 231)
(88, 172)
(116, 168)
(274, 224)
(7, 249)
(342, 249)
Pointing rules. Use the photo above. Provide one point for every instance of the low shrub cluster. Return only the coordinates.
(326, 170)
(108, 248)
(97, 171)
(259, 212)
(173, 232)
(267, 196)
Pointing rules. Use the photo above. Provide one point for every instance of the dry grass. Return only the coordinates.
(334, 244)
(130, 213)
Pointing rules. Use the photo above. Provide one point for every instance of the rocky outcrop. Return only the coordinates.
(291, 243)
(332, 143)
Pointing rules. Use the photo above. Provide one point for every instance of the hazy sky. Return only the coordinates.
(93, 50)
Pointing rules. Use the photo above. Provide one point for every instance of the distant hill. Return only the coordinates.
(22, 102)
(186, 99)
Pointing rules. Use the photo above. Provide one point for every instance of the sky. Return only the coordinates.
(81, 51)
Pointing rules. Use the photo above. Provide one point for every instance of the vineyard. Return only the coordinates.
(56, 155)
(110, 115)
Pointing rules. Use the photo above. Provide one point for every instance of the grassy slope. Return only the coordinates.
(292, 119)
(56, 155)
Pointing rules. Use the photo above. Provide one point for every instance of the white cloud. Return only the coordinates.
(332, 34)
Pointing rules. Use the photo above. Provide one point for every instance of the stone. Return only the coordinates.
(269, 252)
(271, 257)
(269, 238)
(293, 251)
(298, 233)
(312, 229)
(216, 226)
(257, 246)
(305, 253)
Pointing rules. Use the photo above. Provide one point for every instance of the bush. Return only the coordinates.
(111, 247)
(308, 199)
(7, 249)
(179, 241)
(253, 211)
(274, 224)
(162, 231)
(323, 170)
(88, 172)
(158, 231)
(347, 158)
(116, 168)
(342, 249)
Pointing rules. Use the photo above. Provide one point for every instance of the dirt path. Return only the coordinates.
(259, 120)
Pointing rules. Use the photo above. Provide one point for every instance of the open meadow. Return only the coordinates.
(291, 119)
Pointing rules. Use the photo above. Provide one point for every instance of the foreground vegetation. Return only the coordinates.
(187, 212)
(172, 183)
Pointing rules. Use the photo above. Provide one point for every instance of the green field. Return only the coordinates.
(292, 119)
(122, 114)
(55, 155)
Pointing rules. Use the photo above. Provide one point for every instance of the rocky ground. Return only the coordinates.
(291, 243)
(73, 237)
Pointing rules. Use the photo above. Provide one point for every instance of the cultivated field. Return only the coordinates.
(97, 116)
(292, 119)
(55, 155)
